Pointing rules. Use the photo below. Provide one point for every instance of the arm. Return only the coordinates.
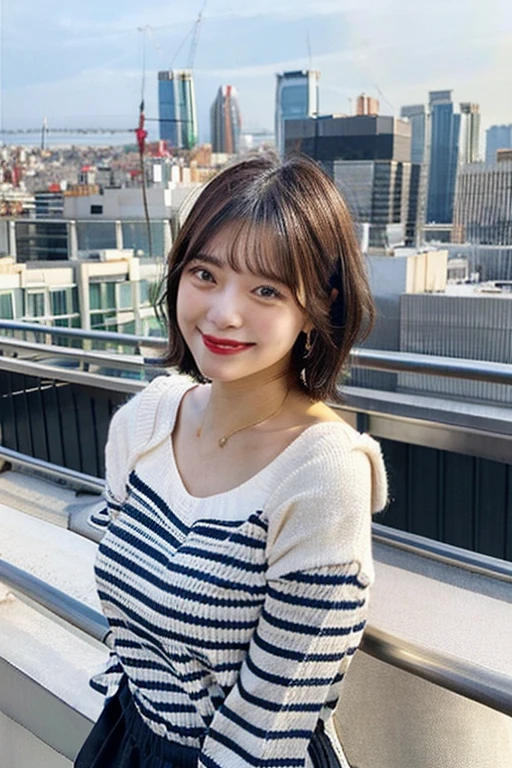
(132, 428)
(313, 616)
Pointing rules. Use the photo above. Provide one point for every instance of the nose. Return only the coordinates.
(225, 310)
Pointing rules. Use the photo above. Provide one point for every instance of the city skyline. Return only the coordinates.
(90, 60)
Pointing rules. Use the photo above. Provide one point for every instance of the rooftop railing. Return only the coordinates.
(57, 403)
(388, 361)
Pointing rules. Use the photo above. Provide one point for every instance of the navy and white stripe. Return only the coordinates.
(216, 655)
(221, 650)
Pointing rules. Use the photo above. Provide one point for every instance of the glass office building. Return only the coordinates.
(296, 97)
(177, 108)
(444, 157)
(369, 159)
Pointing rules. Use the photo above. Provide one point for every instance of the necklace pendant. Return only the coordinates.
(222, 441)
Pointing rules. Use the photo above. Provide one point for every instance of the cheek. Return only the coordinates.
(284, 328)
(183, 304)
(185, 297)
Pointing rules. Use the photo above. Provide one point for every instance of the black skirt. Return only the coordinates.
(121, 739)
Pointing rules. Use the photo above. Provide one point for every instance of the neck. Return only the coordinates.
(234, 404)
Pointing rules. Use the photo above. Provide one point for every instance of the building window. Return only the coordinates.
(64, 306)
(125, 300)
(102, 295)
(58, 302)
(6, 306)
(102, 302)
(95, 296)
(96, 209)
(35, 304)
(144, 286)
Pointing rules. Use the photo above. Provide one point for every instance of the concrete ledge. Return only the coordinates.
(42, 713)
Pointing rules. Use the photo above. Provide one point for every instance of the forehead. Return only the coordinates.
(251, 247)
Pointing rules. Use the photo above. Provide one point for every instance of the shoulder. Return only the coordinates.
(332, 453)
(140, 422)
(320, 512)
(136, 417)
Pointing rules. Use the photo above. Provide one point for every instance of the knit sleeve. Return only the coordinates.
(145, 418)
(313, 614)
(117, 451)
(107, 681)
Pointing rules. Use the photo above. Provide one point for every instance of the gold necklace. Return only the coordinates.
(224, 438)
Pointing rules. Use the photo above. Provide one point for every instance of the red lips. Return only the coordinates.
(221, 346)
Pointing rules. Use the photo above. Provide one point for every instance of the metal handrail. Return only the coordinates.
(465, 559)
(122, 362)
(81, 333)
(469, 680)
(56, 373)
(77, 614)
(53, 471)
(389, 361)
(447, 367)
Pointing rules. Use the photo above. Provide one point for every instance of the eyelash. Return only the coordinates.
(197, 272)
(275, 293)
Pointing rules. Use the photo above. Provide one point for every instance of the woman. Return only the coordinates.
(236, 565)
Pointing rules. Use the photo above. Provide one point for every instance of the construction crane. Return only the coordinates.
(195, 38)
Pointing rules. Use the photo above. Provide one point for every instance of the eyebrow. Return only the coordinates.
(209, 259)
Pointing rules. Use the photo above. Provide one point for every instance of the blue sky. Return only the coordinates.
(80, 63)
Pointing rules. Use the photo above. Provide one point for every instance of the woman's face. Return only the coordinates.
(235, 323)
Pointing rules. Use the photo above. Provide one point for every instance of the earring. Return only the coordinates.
(307, 344)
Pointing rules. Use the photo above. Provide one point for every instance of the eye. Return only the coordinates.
(202, 274)
(268, 292)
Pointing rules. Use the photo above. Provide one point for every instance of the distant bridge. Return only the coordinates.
(12, 131)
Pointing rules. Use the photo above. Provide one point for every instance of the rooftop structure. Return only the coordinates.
(367, 105)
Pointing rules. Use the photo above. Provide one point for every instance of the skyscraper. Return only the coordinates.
(444, 156)
(296, 98)
(419, 118)
(469, 145)
(497, 137)
(225, 121)
(368, 157)
(177, 108)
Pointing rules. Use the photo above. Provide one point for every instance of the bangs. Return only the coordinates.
(256, 248)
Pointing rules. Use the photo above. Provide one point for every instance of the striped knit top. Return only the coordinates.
(234, 617)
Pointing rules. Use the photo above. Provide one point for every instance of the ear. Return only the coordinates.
(307, 327)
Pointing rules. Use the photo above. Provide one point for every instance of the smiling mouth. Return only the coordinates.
(224, 346)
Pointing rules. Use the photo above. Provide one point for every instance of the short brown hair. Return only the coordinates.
(291, 209)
